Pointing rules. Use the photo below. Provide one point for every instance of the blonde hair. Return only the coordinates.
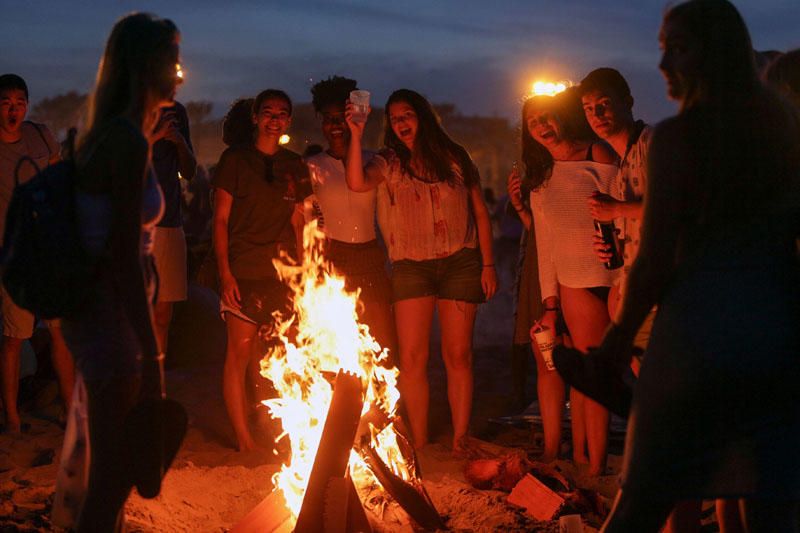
(139, 50)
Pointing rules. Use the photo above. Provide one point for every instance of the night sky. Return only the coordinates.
(481, 55)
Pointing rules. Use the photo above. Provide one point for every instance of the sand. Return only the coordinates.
(211, 486)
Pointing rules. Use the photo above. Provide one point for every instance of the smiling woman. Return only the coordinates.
(432, 215)
(564, 165)
(259, 188)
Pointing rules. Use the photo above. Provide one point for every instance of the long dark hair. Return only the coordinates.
(727, 65)
(744, 141)
(139, 53)
(237, 126)
(566, 108)
(436, 150)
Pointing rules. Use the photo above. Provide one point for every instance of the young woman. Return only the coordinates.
(259, 190)
(566, 166)
(438, 231)
(715, 411)
(347, 217)
(119, 203)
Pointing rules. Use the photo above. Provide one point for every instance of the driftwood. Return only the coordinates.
(415, 501)
(271, 515)
(334, 450)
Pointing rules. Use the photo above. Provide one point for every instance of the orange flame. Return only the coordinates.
(329, 337)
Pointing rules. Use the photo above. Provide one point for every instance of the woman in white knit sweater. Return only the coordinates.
(565, 164)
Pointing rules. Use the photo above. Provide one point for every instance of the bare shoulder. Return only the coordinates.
(603, 153)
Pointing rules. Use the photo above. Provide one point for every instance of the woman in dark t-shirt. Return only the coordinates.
(259, 190)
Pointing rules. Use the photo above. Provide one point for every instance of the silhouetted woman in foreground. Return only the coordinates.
(119, 203)
(715, 411)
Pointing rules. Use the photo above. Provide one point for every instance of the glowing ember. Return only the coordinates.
(284, 139)
(549, 88)
(323, 336)
(179, 71)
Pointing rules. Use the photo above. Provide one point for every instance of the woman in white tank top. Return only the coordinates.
(565, 166)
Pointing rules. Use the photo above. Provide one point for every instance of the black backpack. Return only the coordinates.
(45, 267)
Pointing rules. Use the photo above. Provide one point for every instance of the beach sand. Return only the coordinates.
(210, 486)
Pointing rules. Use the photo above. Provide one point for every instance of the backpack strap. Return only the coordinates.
(41, 135)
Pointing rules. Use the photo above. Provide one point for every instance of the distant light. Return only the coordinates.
(284, 139)
(178, 71)
(549, 88)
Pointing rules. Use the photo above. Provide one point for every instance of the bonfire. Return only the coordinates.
(324, 348)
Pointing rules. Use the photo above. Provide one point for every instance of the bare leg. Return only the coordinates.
(636, 512)
(577, 410)
(764, 516)
(162, 316)
(109, 485)
(413, 318)
(729, 516)
(685, 517)
(10, 353)
(457, 319)
(241, 336)
(587, 319)
(550, 390)
(63, 364)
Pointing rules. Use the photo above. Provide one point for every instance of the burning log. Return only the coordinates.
(271, 515)
(415, 501)
(334, 450)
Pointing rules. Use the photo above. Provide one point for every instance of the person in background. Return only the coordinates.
(715, 410)
(783, 75)
(259, 192)
(173, 160)
(437, 228)
(118, 204)
(347, 217)
(565, 165)
(20, 139)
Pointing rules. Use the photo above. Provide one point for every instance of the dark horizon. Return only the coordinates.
(479, 57)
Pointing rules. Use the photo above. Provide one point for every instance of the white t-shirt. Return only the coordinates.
(347, 216)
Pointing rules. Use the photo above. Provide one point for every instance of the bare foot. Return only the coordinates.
(247, 444)
(580, 459)
(547, 458)
(466, 447)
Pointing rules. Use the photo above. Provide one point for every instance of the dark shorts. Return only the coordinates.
(455, 277)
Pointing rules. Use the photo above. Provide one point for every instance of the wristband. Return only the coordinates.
(488, 265)
(551, 309)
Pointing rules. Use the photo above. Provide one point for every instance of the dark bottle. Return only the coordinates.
(608, 232)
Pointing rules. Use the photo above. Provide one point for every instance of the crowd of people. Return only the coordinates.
(704, 311)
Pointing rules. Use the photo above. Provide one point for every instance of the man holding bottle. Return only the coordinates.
(608, 105)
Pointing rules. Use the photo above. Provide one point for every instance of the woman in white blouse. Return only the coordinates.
(565, 165)
(438, 232)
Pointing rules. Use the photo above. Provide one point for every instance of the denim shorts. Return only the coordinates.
(455, 277)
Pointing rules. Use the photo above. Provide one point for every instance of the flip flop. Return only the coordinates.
(595, 376)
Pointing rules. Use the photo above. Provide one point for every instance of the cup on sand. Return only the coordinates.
(360, 101)
(545, 339)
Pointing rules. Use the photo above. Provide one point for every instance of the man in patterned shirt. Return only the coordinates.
(608, 105)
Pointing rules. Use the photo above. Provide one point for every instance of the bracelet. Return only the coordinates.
(488, 265)
(551, 309)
